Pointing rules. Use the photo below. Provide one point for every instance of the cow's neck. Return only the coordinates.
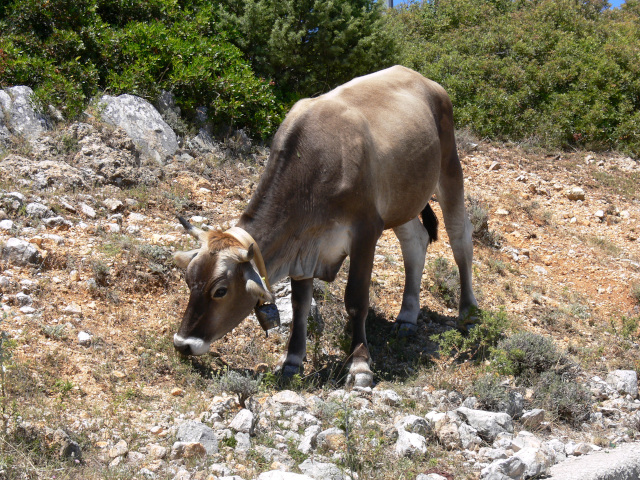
(289, 245)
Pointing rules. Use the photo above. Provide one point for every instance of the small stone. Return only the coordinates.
(332, 439)
(187, 450)
(177, 392)
(21, 253)
(74, 276)
(112, 227)
(386, 397)
(84, 339)
(494, 166)
(112, 204)
(157, 451)
(409, 444)
(119, 449)
(575, 194)
(533, 418)
(243, 421)
(624, 381)
(599, 215)
(193, 431)
(309, 439)
(289, 398)
(502, 212)
(87, 211)
(321, 471)
(6, 225)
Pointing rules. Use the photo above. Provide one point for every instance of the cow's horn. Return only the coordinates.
(191, 230)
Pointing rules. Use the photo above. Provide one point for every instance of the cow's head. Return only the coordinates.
(225, 286)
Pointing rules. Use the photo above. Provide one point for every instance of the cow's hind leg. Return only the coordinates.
(450, 193)
(301, 295)
(414, 240)
(356, 299)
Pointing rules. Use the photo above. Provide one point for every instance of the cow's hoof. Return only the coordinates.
(404, 329)
(289, 371)
(360, 379)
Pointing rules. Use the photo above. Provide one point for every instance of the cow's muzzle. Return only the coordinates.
(190, 345)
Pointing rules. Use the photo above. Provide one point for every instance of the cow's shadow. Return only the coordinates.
(394, 358)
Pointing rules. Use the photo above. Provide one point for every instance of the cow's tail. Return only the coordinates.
(430, 222)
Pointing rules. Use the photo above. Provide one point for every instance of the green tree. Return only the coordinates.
(556, 73)
(310, 46)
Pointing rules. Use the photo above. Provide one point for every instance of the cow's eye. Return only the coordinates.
(220, 292)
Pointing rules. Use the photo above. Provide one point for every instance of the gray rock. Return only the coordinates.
(142, 122)
(413, 424)
(193, 431)
(488, 424)
(557, 447)
(58, 222)
(19, 116)
(112, 204)
(19, 252)
(430, 476)
(624, 381)
(321, 471)
(6, 225)
(469, 438)
(309, 439)
(84, 339)
(187, 450)
(533, 418)
(410, 444)
(620, 463)
(23, 299)
(87, 211)
(243, 421)
(288, 398)
(525, 439)
(386, 397)
(243, 442)
(511, 467)
(279, 475)
(46, 173)
(537, 461)
(38, 210)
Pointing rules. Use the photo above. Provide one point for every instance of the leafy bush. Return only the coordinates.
(242, 385)
(554, 73)
(567, 400)
(480, 338)
(70, 51)
(527, 355)
(490, 392)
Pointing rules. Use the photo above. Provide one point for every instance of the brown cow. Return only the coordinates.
(344, 166)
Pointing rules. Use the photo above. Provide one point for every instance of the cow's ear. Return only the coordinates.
(255, 286)
(183, 259)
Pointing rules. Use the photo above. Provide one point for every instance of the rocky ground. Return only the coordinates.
(93, 389)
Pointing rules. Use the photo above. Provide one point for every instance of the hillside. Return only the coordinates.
(89, 326)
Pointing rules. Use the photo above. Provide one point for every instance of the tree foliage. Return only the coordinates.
(69, 51)
(310, 46)
(555, 73)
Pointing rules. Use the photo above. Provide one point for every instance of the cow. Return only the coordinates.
(343, 167)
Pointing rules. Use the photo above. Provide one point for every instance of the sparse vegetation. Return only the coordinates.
(446, 281)
(565, 399)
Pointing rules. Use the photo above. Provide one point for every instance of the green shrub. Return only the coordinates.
(562, 397)
(480, 339)
(539, 72)
(242, 385)
(526, 355)
(490, 393)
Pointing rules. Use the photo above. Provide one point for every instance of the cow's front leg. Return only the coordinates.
(356, 299)
(301, 295)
